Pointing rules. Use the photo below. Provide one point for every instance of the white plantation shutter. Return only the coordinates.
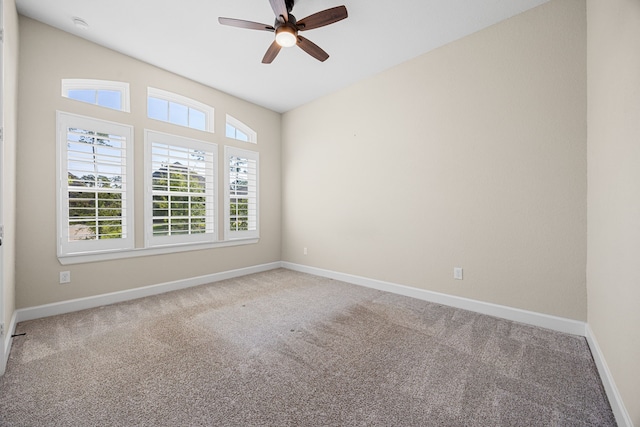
(241, 194)
(180, 187)
(95, 195)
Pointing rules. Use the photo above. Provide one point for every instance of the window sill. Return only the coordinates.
(80, 258)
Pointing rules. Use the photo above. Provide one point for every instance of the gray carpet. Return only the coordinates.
(283, 348)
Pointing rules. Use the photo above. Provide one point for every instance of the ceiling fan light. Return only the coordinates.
(286, 37)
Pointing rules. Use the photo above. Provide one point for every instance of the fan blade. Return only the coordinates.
(271, 54)
(312, 49)
(323, 18)
(280, 9)
(245, 24)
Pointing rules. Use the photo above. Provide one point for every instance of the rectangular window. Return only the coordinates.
(241, 194)
(95, 191)
(180, 182)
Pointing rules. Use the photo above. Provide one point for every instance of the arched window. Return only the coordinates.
(105, 93)
(177, 109)
(237, 130)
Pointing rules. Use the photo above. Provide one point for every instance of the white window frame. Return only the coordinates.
(237, 124)
(254, 231)
(92, 84)
(69, 248)
(208, 110)
(211, 186)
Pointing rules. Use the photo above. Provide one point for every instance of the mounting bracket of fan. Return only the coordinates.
(290, 4)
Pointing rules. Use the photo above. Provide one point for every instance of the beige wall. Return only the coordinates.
(473, 155)
(613, 268)
(10, 104)
(47, 55)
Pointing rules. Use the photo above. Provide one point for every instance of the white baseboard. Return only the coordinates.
(560, 324)
(7, 343)
(617, 406)
(53, 309)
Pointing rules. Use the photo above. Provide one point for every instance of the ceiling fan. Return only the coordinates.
(286, 28)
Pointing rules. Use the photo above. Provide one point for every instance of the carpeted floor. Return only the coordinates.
(283, 348)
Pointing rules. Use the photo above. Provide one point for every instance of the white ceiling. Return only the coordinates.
(184, 37)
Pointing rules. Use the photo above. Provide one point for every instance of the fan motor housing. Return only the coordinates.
(290, 23)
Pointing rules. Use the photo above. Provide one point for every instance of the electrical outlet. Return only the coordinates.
(65, 276)
(457, 273)
(304, 251)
